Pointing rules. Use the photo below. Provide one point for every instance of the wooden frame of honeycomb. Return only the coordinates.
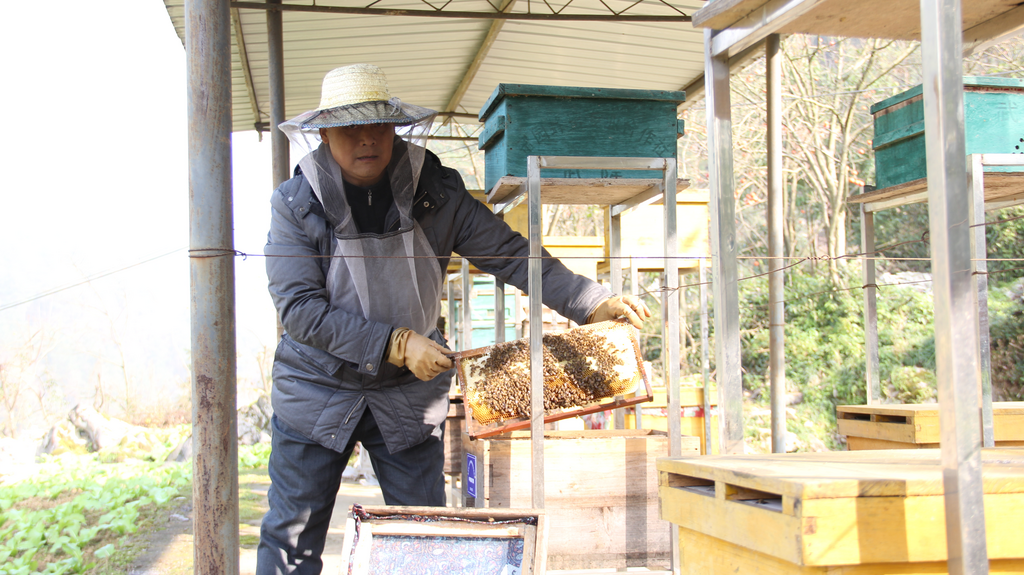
(587, 369)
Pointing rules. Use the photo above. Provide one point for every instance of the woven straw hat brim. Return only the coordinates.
(391, 112)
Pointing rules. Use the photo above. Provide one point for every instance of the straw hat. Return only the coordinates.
(358, 94)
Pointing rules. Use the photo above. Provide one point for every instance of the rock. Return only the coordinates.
(254, 421)
(101, 431)
(64, 438)
(183, 452)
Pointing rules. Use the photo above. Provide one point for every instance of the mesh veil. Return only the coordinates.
(393, 277)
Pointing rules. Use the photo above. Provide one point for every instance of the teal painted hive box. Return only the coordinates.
(993, 122)
(522, 120)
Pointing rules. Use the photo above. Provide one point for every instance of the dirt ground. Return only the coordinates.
(169, 550)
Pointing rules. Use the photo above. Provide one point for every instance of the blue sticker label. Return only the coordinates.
(470, 475)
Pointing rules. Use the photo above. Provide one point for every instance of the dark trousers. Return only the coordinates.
(304, 481)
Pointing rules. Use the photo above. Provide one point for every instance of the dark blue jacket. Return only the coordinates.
(330, 364)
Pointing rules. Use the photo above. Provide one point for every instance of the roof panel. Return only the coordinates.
(427, 58)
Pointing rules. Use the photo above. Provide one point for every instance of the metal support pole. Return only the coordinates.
(723, 249)
(499, 311)
(517, 314)
(671, 310)
(536, 333)
(615, 278)
(214, 424)
(976, 178)
(867, 247)
(776, 277)
(634, 290)
(499, 298)
(450, 328)
(466, 340)
(275, 70)
(956, 320)
(670, 332)
(705, 353)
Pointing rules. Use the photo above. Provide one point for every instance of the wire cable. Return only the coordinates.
(88, 279)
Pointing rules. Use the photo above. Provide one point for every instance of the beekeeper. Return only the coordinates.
(359, 242)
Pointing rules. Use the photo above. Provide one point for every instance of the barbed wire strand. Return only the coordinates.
(204, 253)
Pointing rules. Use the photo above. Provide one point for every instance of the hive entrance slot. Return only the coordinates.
(754, 497)
(855, 416)
(879, 418)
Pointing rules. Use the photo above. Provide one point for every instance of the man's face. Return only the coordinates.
(363, 152)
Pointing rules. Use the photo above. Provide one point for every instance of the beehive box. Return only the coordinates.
(850, 512)
(521, 120)
(691, 421)
(915, 426)
(600, 490)
(993, 123)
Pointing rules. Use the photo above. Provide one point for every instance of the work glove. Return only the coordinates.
(621, 306)
(424, 357)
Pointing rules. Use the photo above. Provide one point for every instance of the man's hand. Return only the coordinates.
(621, 306)
(424, 357)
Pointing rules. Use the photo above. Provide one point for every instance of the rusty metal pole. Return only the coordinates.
(214, 427)
(278, 141)
(275, 70)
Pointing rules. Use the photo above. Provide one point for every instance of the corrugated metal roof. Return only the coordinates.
(425, 59)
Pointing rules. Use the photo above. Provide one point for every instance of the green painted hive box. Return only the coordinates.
(993, 122)
(522, 120)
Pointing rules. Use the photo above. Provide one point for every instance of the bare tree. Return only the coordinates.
(20, 375)
(828, 125)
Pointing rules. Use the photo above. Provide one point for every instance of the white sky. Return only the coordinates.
(95, 178)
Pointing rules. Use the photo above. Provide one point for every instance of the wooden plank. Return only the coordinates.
(899, 529)
(999, 186)
(448, 529)
(854, 443)
(895, 19)
(579, 191)
(701, 554)
(466, 513)
(847, 473)
(898, 432)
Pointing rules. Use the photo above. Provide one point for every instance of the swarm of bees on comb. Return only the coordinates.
(581, 366)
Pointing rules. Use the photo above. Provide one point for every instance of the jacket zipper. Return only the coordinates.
(354, 407)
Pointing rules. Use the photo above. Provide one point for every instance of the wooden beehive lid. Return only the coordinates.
(969, 82)
(895, 19)
(844, 474)
(520, 90)
(910, 409)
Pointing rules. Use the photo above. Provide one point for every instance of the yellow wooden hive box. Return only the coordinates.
(849, 512)
(914, 426)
